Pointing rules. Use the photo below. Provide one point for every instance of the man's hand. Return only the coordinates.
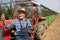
(3, 17)
(12, 31)
(29, 31)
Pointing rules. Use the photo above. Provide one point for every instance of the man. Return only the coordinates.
(22, 25)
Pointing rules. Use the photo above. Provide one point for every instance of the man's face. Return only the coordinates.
(21, 15)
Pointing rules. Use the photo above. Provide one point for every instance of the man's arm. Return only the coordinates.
(9, 26)
(4, 23)
(29, 25)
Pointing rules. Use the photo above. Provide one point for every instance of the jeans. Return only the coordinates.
(22, 37)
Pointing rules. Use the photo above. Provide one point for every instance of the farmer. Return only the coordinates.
(22, 25)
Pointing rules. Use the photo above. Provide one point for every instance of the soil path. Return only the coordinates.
(53, 31)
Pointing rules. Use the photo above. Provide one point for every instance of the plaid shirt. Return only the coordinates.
(20, 30)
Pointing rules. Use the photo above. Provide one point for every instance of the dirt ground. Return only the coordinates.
(53, 31)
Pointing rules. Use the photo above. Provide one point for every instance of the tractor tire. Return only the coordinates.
(1, 34)
(39, 30)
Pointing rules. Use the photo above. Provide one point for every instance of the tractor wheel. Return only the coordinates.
(39, 30)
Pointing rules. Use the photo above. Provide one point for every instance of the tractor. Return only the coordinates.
(34, 15)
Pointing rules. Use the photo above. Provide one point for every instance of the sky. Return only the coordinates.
(51, 4)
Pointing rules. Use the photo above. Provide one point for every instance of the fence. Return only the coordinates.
(49, 19)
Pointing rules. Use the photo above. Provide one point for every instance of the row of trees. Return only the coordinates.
(7, 11)
(48, 12)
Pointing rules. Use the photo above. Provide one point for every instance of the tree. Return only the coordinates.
(47, 12)
(8, 12)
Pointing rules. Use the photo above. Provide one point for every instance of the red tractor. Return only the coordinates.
(34, 14)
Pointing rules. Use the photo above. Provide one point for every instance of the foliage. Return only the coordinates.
(8, 12)
(48, 12)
